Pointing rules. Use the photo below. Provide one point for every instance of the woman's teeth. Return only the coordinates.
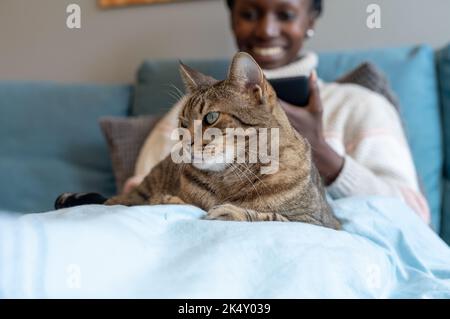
(268, 51)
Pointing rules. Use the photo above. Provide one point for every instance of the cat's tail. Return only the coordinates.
(67, 200)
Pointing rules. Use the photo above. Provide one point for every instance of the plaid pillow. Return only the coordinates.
(125, 137)
(370, 77)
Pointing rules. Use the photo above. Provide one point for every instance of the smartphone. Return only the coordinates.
(294, 90)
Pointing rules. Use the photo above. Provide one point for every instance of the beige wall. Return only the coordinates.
(35, 43)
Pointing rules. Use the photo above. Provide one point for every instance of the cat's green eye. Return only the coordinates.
(211, 118)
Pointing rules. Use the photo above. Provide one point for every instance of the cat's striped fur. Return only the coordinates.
(239, 191)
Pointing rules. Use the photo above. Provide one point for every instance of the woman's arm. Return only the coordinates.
(375, 159)
(155, 148)
(308, 121)
(370, 178)
(378, 160)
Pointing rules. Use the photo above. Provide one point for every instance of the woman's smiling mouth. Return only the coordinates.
(268, 51)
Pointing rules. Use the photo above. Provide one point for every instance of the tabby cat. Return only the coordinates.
(238, 191)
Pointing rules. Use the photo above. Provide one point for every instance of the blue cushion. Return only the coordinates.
(443, 62)
(159, 82)
(51, 141)
(410, 70)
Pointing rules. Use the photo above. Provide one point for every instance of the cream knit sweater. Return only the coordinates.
(358, 124)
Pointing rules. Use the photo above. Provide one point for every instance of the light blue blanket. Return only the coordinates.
(384, 251)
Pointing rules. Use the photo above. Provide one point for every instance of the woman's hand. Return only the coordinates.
(131, 183)
(308, 122)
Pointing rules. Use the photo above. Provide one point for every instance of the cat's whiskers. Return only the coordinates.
(245, 165)
(235, 169)
(250, 181)
(175, 93)
(180, 93)
(243, 181)
(235, 173)
(181, 167)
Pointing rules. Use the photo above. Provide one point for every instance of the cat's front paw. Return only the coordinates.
(112, 202)
(226, 212)
(172, 200)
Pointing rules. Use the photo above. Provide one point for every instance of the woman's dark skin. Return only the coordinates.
(273, 32)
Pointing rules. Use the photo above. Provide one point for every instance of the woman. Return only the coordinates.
(358, 143)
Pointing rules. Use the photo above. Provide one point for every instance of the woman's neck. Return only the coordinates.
(303, 65)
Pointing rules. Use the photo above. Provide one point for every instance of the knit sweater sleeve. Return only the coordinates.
(158, 144)
(377, 157)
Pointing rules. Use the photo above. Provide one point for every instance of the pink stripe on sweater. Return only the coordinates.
(331, 134)
(351, 145)
(417, 202)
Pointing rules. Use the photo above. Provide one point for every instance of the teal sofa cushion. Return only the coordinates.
(159, 83)
(443, 63)
(51, 141)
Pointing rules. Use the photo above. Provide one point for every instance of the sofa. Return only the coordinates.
(51, 140)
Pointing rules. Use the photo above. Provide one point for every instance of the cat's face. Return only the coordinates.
(223, 118)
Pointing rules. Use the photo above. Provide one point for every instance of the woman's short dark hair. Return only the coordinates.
(317, 6)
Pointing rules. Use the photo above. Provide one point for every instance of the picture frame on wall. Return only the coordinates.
(125, 3)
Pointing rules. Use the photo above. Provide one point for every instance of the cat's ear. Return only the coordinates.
(246, 73)
(193, 79)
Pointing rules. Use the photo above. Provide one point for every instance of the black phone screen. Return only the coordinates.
(294, 90)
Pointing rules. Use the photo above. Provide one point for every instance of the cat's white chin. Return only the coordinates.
(211, 166)
(214, 163)
(217, 163)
